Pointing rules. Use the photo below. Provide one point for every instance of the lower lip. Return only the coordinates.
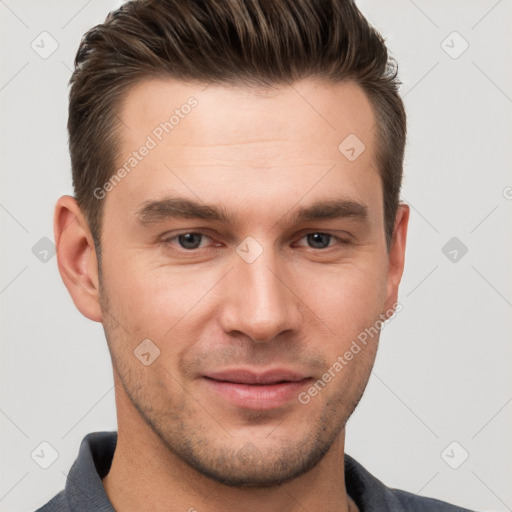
(254, 396)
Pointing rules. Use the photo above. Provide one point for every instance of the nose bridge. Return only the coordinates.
(260, 305)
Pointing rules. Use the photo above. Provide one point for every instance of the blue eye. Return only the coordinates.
(319, 240)
(192, 240)
(189, 241)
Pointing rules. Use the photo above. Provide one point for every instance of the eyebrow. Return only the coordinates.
(151, 212)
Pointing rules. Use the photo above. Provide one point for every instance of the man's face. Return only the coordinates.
(248, 311)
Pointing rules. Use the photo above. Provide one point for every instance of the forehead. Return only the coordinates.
(313, 112)
(227, 143)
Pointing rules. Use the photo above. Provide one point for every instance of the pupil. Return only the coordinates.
(315, 239)
(190, 240)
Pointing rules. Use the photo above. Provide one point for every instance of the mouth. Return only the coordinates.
(255, 390)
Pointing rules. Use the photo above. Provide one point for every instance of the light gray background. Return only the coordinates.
(443, 368)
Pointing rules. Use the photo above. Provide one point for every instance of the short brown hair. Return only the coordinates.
(248, 42)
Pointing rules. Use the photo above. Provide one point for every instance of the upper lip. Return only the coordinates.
(244, 376)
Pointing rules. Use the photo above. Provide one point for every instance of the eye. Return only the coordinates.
(189, 241)
(192, 240)
(320, 240)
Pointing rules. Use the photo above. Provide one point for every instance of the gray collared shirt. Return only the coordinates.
(84, 491)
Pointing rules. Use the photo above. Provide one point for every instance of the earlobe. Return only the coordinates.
(396, 258)
(76, 257)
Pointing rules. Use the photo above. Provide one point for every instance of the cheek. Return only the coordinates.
(347, 299)
(159, 302)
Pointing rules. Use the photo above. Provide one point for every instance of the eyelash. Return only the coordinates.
(168, 240)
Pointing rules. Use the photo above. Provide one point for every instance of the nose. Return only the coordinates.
(259, 301)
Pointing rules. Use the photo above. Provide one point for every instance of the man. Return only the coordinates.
(237, 229)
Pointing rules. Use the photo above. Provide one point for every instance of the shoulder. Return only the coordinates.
(57, 504)
(84, 490)
(414, 503)
(372, 495)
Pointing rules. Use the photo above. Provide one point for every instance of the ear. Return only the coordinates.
(396, 257)
(76, 257)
